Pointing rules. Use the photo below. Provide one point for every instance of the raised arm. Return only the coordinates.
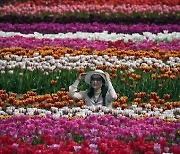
(112, 93)
(73, 89)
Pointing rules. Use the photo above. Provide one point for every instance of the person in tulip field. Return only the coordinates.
(100, 92)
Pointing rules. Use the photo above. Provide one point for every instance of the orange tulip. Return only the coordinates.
(138, 100)
(124, 106)
(114, 75)
(11, 100)
(160, 85)
(55, 98)
(71, 101)
(115, 104)
(153, 76)
(123, 80)
(158, 105)
(4, 96)
(142, 94)
(135, 103)
(53, 82)
(65, 97)
(166, 96)
(152, 101)
(138, 77)
(80, 103)
(122, 67)
(143, 105)
(161, 101)
(49, 100)
(63, 89)
(81, 71)
(154, 65)
(1, 103)
(13, 95)
(172, 77)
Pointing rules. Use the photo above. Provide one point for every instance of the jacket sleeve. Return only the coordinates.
(73, 91)
(111, 92)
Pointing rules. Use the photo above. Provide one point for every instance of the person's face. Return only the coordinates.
(96, 81)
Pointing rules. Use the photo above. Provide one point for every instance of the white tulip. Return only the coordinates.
(11, 72)
(6, 57)
(3, 113)
(2, 72)
(55, 116)
(102, 36)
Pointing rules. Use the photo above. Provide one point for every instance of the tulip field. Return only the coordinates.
(46, 44)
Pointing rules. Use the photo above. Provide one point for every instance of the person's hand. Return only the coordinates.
(81, 76)
(107, 75)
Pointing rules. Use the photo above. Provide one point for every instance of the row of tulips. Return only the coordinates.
(130, 72)
(90, 18)
(103, 36)
(47, 60)
(75, 43)
(46, 145)
(155, 105)
(48, 130)
(61, 109)
(64, 53)
(27, 71)
(88, 27)
(82, 2)
(149, 127)
(85, 10)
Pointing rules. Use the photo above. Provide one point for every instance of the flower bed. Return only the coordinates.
(44, 45)
(94, 134)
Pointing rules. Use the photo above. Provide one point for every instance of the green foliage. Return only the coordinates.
(78, 139)
(36, 141)
(22, 81)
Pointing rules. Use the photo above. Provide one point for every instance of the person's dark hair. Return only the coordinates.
(104, 90)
